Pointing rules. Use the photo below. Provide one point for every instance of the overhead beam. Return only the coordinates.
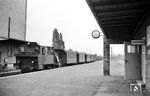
(120, 13)
(121, 33)
(113, 41)
(108, 2)
(112, 29)
(118, 37)
(120, 25)
(114, 20)
(121, 18)
(125, 31)
(120, 22)
(121, 6)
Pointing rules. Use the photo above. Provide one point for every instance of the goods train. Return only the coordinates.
(31, 56)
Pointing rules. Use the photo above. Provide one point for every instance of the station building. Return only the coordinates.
(12, 30)
(126, 22)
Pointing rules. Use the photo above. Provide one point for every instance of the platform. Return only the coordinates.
(78, 80)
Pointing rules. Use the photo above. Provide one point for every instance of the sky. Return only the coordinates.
(72, 18)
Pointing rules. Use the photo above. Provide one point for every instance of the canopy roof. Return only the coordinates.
(119, 19)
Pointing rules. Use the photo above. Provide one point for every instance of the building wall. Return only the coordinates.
(7, 49)
(16, 10)
(148, 59)
(143, 56)
(3, 50)
(144, 31)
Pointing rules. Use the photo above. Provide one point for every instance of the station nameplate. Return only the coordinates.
(138, 42)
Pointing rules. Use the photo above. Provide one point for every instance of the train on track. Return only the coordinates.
(31, 56)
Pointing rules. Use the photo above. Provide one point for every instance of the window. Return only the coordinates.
(133, 49)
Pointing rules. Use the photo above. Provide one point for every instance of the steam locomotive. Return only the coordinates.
(31, 56)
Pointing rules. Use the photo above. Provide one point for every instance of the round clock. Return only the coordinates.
(95, 34)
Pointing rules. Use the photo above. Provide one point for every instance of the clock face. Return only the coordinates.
(95, 34)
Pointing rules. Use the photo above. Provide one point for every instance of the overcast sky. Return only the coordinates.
(72, 18)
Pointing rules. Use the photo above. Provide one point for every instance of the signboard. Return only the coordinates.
(137, 87)
(138, 42)
(134, 87)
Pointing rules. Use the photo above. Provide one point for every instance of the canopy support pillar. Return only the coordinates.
(106, 61)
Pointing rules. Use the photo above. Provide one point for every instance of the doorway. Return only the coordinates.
(132, 62)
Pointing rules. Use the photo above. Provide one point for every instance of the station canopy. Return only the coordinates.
(119, 19)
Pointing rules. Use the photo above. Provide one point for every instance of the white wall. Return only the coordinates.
(16, 10)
